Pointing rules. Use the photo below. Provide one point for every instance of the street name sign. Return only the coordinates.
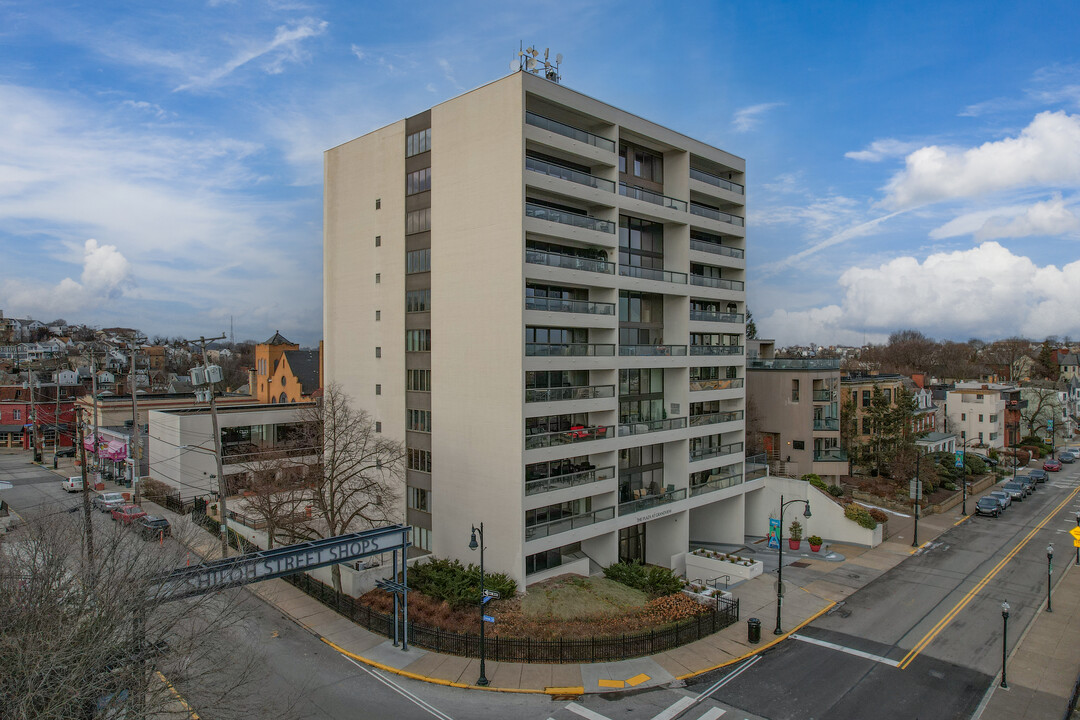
(492, 594)
(488, 618)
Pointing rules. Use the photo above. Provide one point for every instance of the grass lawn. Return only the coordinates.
(570, 596)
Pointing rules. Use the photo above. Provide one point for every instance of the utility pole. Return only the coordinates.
(97, 460)
(88, 524)
(217, 449)
(33, 411)
(136, 446)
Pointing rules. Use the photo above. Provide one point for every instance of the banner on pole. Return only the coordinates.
(774, 533)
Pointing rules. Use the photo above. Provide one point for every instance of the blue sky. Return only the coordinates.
(909, 165)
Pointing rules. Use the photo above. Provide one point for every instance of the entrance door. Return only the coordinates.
(632, 544)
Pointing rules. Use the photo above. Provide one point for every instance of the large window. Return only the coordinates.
(418, 142)
(556, 379)
(641, 243)
(418, 380)
(420, 538)
(419, 460)
(418, 182)
(418, 300)
(418, 340)
(641, 163)
(418, 221)
(557, 512)
(556, 336)
(641, 472)
(555, 468)
(418, 498)
(418, 420)
(644, 308)
(417, 261)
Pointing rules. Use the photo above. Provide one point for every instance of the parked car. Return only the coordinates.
(1051, 465)
(985, 458)
(65, 452)
(72, 484)
(106, 501)
(988, 506)
(1003, 497)
(1029, 483)
(1038, 475)
(1067, 457)
(152, 527)
(1016, 490)
(127, 514)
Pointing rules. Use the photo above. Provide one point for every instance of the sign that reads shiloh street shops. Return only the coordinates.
(267, 564)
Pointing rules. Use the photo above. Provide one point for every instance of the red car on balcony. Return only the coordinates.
(1052, 465)
(127, 514)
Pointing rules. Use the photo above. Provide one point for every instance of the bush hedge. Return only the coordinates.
(836, 490)
(455, 583)
(653, 580)
(815, 480)
(860, 515)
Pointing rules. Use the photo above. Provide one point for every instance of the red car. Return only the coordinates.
(128, 513)
(1052, 465)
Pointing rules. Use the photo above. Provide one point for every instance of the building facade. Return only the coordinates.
(543, 297)
(976, 413)
(857, 393)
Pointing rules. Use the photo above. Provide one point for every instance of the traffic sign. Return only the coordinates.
(492, 594)
(484, 600)
(1075, 532)
(488, 618)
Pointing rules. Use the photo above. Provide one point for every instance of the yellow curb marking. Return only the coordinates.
(966, 517)
(571, 690)
(176, 694)
(921, 547)
(944, 622)
(611, 683)
(637, 680)
(766, 646)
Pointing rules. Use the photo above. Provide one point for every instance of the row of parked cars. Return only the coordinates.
(995, 502)
(149, 527)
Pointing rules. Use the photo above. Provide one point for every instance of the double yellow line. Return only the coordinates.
(944, 622)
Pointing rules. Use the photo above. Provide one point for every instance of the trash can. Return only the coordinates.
(753, 630)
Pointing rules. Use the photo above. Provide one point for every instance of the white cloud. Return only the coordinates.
(141, 105)
(881, 149)
(358, 51)
(747, 118)
(1046, 153)
(105, 274)
(1051, 217)
(986, 291)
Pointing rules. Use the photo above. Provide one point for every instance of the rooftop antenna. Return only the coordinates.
(529, 60)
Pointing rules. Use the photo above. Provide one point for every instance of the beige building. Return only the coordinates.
(796, 411)
(976, 413)
(543, 297)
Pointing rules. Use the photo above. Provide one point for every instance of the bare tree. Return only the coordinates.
(1042, 402)
(357, 479)
(1009, 356)
(276, 494)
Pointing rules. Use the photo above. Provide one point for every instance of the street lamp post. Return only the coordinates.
(1049, 574)
(1004, 641)
(963, 476)
(780, 556)
(1078, 546)
(472, 546)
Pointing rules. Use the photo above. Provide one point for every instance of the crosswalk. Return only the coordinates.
(678, 709)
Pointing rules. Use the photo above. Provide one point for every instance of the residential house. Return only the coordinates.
(976, 411)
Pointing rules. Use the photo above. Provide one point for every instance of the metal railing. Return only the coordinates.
(714, 214)
(558, 394)
(569, 349)
(567, 437)
(716, 349)
(716, 249)
(830, 455)
(641, 427)
(575, 176)
(652, 350)
(793, 364)
(561, 482)
(549, 304)
(655, 198)
(716, 482)
(569, 262)
(822, 395)
(715, 282)
(704, 453)
(651, 501)
(541, 212)
(569, 131)
(709, 316)
(652, 274)
(717, 384)
(717, 417)
(716, 181)
(553, 527)
(827, 423)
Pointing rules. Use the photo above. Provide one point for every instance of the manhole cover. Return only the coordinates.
(800, 564)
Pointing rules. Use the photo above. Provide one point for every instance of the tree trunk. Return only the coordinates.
(335, 573)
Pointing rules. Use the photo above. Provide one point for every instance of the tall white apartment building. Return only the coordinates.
(543, 297)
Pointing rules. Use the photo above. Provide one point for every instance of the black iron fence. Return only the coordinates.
(528, 650)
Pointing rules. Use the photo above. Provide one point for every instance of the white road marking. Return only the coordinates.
(585, 712)
(402, 691)
(712, 714)
(675, 709)
(849, 651)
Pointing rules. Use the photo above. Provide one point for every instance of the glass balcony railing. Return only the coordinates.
(576, 434)
(558, 394)
(823, 396)
(542, 530)
(569, 262)
(649, 196)
(569, 350)
(716, 249)
(713, 418)
(651, 501)
(652, 274)
(716, 482)
(708, 316)
(569, 131)
(716, 384)
(716, 350)
(714, 282)
(541, 212)
(548, 304)
(793, 364)
(562, 482)
(830, 455)
(714, 214)
(652, 350)
(711, 451)
(715, 181)
(828, 423)
(755, 466)
(575, 176)
(642, 427)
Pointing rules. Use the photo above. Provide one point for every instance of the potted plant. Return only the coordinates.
(815, 542)
(795, 535)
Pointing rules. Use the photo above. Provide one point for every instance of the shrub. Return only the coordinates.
(974, 465)
(820, 484)
(836, 491)
(456, 584)
(949, 485)
(810, 477)
(860, 515)
(795, 530)
(653, 580)
(878, 515)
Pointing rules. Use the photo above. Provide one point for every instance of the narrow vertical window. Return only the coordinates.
(378, 389)
(378, 240)
(378, 352)
(378, 203)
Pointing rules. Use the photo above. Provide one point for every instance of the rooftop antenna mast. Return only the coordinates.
(528, 60)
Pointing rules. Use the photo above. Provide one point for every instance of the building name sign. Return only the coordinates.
(655, 515)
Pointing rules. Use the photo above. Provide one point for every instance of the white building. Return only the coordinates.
(976, 413)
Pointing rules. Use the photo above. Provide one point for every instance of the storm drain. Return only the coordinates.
(800, 563)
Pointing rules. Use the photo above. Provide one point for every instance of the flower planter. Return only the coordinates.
(699, 567)
(815, 548)
(794, 544)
